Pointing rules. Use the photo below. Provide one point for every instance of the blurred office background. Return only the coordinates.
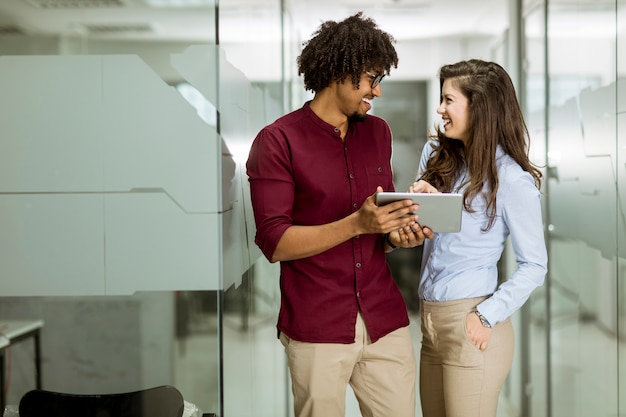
(125, 220)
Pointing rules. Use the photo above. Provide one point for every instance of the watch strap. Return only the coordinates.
(483, 320)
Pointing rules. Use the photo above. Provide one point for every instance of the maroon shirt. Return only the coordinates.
(302, 173)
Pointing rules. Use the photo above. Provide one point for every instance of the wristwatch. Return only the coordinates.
(388, 241)
(483, 320)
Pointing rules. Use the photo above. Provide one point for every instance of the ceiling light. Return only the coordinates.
(74, 4)
(180, 3)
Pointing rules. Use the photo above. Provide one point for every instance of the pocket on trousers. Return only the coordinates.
(470, 354)
(284, 339)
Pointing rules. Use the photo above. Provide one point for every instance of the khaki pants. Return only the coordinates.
(456, 378)
(381, 374)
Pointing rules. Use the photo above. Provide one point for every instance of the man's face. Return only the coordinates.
(356, 102)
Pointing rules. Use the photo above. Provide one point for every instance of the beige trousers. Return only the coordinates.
(456, 378)
(382, 375)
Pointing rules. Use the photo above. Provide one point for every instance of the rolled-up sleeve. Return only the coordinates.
(271, 189)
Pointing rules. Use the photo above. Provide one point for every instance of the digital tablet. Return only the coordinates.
(439, 212)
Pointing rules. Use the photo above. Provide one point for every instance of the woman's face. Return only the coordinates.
(454, 111)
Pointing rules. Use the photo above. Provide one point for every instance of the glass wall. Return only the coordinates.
(255, 41)
(621, 201)
(572, 92)
(111, 162)
(534, 394)
(127, 230)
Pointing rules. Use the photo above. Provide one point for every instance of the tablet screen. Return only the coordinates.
(440, 212)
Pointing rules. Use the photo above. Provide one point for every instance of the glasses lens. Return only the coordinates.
(376, 79)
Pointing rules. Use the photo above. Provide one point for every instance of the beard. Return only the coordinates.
(356, 117)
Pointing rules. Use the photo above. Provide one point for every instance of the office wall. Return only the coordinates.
(119, 196)
(573, 95)
(81, 217)
(93, 344)
(575, 104)
(621, 190)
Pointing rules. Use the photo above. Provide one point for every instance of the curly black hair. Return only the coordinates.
(345, 49)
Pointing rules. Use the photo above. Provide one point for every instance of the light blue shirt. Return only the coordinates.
(464, 264)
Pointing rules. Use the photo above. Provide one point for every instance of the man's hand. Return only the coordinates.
(397, 219)
(384, 219)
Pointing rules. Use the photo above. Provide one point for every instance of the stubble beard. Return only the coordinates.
(357, 117)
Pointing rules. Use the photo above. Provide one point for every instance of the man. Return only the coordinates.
(313, 177)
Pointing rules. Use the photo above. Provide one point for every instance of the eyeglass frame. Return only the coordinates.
(376, 79)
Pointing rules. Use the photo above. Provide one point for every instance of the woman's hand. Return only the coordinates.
(410, 236)
(478, 334)
(422, 186)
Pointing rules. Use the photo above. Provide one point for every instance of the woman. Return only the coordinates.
(481, 152)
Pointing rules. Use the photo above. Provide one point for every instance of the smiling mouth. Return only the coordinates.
(368, 103)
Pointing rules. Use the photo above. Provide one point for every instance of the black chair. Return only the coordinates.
(163, 401)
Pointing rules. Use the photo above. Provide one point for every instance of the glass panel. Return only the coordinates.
(127, 223)
(252, 89)
(534, 389)
(581, 185)
(621, 199)
(111, 194)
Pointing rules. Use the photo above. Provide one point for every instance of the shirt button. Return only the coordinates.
(358, 294)
(358, 264)
(354, 205)
(351, 175)
(380, 169)
(336, 129)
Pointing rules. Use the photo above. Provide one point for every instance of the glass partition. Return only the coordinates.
(127, 230)
(112, 198)
(533, 395)
(621, 200)
(571, 97)
(582, 149)
(253, 40)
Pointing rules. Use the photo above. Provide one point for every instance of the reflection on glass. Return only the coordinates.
(138, 164)
(111, 343)
(581, 206)
(621, 195)
(206, 110)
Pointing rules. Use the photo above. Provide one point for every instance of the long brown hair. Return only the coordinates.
(495, 118)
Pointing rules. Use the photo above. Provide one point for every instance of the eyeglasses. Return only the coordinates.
(376, 79)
